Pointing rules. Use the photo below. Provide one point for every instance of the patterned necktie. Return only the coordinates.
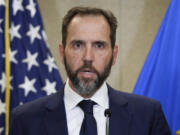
(89, 123)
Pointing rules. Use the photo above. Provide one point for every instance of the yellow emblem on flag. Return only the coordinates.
(178, 132)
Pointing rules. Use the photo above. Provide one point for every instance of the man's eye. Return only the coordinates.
(99, 45)
(77, 45)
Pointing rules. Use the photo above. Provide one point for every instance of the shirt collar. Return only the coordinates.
(72, 98)
(101, 96)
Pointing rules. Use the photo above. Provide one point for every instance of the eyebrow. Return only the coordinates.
(77, 41)
(100, 42)
(94, 42)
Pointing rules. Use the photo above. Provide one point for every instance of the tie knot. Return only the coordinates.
(87, 106)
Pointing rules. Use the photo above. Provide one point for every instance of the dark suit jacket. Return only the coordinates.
(131, 115)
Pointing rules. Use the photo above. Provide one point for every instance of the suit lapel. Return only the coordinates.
(120, 119)
(55, 119)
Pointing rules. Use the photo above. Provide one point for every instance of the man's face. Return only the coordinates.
(88, 55)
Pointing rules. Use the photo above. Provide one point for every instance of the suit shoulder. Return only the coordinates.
(139, 98)
(142, 107)
(33, 107)
(136, 100)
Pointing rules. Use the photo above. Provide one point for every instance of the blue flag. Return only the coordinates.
(33, 70)
(160, 76)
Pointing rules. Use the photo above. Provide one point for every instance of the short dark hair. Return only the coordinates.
(108, 15)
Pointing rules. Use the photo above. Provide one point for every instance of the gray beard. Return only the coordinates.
(86, 87)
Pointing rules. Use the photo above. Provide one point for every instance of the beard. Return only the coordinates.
(87, 87)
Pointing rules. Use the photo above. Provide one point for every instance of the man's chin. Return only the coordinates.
(86, 88)
(87, 82)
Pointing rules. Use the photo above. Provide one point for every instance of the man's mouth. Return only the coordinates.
(87, 72)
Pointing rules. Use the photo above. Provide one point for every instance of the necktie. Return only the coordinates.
(89, 123)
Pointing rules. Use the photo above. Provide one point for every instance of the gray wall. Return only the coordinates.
(139, 21)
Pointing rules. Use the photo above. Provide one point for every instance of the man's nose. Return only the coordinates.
(89, 53)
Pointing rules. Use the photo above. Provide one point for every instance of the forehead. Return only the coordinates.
(80, 17)
(95, 20)
(88, 27)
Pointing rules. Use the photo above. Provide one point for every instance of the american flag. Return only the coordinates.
(33, 70)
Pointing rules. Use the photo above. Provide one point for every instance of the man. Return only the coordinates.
(88, 51)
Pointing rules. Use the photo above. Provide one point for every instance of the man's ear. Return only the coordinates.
(115, 52)
(61, 52)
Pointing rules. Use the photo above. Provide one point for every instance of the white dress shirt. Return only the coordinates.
(75, 115)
